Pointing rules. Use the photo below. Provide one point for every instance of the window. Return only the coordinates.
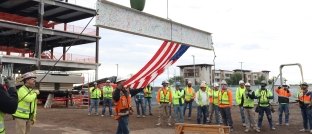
(190, 73)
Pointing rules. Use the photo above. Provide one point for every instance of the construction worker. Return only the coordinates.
(283, 107)
(202, 101)
(189, 98)
(107, 98)
(225, 101)
(214, 108)
(8, 100)
(122, 99)
(148, 97)
(25, 114)
(304, 100)
(164, 99)
(239, 95)
(248, 104)
(139, 101)
(178, 103)
(95, 94)
(264, 95)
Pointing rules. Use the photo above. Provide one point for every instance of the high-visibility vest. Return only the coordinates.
(108, 92)
(177, 95)
(224, 98)
(164, 97)
(239, 93)
(214, 95)
(2, 130)
(283, 96)
(263, 97)
(123, 105)
(303, 97)
(248, 102)
(148, 92)
(200, 98)
(189, 93)
(27, 106)
(95, 94)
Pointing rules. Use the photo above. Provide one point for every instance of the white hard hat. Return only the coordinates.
(202, 85)
(119, 79)
(223, 82)
(204, 82)
(215, 84)
(189, 82)
(95, 83)
(247, 84)
(241, 82)
(165, 82)
(108, 81)
(28, 75)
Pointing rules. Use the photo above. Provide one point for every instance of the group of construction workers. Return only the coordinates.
(21, 103)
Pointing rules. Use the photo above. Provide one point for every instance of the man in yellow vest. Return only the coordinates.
(225, 103)
(8, 100)
(248, 104)
(25, 114)
(148, 97)
(178, 103)
(164, 99)
(264, 96)
(189, 93)
(107, 98)
(95, 94)
(202, 101)
(214, 108)
(239, 94)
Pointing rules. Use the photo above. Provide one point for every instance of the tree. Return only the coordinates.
(175, 79)
(234, 79)
(261, 78)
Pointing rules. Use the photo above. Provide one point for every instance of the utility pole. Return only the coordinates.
(117, 71)
(242, 70)
(194, 69)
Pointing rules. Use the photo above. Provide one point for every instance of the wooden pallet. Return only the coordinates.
(181, 128)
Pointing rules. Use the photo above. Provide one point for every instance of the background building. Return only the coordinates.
(202, 73)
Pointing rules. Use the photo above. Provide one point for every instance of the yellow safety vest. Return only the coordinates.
(215, 96)
(176, 96)
(27, 106)
(164, 97)
(224, 98)
(188, 93)
(148, 92)
(108, 92)
(2, 130)
(95, 94)
(200, 101)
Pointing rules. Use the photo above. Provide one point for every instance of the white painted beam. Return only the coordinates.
(124, 19)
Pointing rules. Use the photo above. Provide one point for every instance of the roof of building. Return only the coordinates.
(202, 65)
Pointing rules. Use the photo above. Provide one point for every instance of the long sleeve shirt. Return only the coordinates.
(202, 98)
(8, 100)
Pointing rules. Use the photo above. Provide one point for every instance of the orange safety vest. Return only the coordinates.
(304, 98)
(123, 105)
(282, 92)
(210, 96)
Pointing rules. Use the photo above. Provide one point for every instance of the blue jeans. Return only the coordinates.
(189, 104)
(242, 113)
(139, 103)
(94, 104)
(307, 117)
(226, 116)
(283, 108)
(107, 102)
(123, 125)
(148, 102)
(202, 112)
(215, 110)
(178, 111)
(268, 113)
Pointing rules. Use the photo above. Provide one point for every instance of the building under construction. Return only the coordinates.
(30, 30)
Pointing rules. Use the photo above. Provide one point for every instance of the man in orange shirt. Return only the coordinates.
(225, 104)
(164, 99)
(283, 100)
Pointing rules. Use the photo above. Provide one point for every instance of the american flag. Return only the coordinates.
(167, 54)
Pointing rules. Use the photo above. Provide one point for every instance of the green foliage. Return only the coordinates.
(234, 79)
(261, 78)
(174, 79)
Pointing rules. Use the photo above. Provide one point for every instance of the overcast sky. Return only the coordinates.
(261, 34)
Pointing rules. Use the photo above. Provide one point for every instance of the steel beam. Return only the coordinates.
(124, 19)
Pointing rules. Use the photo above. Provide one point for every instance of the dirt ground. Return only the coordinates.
(76, 121)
